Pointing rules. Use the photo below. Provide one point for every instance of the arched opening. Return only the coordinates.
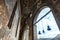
(45, 25)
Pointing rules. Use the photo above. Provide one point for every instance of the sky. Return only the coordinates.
(47, 20)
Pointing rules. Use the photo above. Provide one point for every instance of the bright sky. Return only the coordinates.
(42, 24)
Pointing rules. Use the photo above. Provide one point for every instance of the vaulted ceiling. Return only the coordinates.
(30, 7)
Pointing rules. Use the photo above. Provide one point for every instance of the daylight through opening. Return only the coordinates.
(46, 24)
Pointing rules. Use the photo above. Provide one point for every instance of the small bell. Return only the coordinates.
(48, 28)
(39, 32)
(43, 31)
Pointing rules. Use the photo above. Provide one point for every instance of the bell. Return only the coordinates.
(48, 28)
(39, 32)
(43, 31)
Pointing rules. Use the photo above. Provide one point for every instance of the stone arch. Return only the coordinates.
(35, 26)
